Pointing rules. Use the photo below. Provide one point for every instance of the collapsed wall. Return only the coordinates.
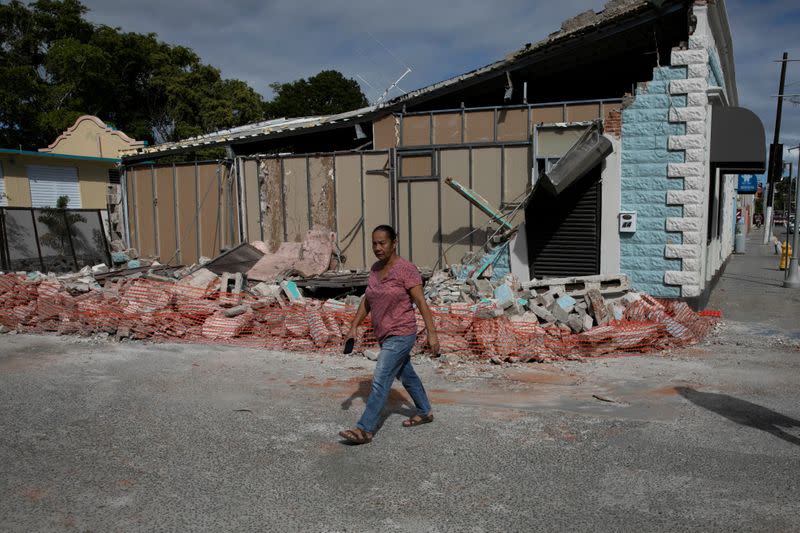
(145, 309)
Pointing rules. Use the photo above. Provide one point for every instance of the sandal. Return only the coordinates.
(418, 420)
(356, 436)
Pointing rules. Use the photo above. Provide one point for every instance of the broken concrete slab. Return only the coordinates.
(200, 279)
(235, 311)
(578, 285)
(309, 258)
(542, 313)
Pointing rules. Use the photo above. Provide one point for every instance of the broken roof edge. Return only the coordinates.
(584, 23)
(251, 132)
(615, 11)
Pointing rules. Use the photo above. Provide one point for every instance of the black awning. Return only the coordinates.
(737, 140)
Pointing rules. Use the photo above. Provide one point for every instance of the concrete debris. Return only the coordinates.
(200, 279)
(372, 354)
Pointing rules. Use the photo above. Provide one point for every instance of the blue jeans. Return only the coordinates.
(394, 360)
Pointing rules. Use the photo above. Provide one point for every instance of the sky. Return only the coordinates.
(375, 41)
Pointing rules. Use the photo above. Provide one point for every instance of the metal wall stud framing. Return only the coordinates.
(363, 214)
(308, 192)
(176, 209)
(197, 221)
(471, 186)
(155, 211)
(283, 202)
(437, 160)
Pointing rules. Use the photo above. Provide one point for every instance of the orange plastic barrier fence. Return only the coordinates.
(168, 312)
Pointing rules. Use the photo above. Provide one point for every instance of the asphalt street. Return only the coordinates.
(100, 436)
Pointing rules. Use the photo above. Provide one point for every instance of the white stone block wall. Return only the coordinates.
(694, 170)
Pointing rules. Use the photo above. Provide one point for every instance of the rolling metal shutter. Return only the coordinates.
(3, 199)
(48, 183)
(564, 231)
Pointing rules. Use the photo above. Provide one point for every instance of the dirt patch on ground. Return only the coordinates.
(543, 377)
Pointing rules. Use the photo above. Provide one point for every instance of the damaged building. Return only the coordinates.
(609, 147)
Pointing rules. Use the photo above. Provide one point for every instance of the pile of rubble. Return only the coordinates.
(475, 318)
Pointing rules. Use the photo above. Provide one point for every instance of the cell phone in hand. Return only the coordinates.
(348, 346)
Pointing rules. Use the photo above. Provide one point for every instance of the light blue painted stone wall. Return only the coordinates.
(644, 183)
(715, 77)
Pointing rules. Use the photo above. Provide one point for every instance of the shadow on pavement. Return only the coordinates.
(397, 403)
(743, 412)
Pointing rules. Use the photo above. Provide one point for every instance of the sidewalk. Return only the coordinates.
(750, 289)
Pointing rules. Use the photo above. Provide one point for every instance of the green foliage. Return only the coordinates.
(55, 66)
(327, 93)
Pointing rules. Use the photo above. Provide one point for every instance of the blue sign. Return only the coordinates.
(748, 184)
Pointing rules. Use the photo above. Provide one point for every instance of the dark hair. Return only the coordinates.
(388, 230)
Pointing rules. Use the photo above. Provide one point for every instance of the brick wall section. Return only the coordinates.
(646, 155)
(613, 123)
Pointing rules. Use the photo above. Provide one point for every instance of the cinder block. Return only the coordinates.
(542, 313)
(686, 142)
(691, 265)
(687, 86)
(681, 251)
(684, 170)
(679, 277)
(689, 57)
(696, 127)
(697, 70)
(695, 155)
(683, 224)
(684, 197)
(689, 291)
(686, 114)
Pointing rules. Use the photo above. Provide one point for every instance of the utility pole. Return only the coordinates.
(775, 154)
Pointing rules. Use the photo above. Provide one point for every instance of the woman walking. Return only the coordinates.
(394, 284)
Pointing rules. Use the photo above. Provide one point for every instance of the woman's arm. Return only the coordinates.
(361, 314)
(419, 300)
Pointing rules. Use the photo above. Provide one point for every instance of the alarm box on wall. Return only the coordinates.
(627, 221)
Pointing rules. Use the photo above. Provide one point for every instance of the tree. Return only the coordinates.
(56, 66)
(326, 93)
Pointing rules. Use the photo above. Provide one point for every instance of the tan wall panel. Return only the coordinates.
(547, 115)
(186, 204)
(296, 194)
(143, 187)
(384, 133)
(403, 220)
(17, 186)
(517, 173)
(323, 209)
(93, 183)
(416, 130)
(512, 125)
(348, 210)
(455, 209)
(582, 112)
(425, 223)
(250, 203)
(210, 210)
(486, 182)
(556, 141)
(479, 126)
(447, 128)
(229, 221)
(416, 165)
(272, 216)
(165, 210)
(376, 197)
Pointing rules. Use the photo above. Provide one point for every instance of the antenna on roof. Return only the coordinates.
(398, 80)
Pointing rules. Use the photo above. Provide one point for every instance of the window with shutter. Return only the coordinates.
(49, 182)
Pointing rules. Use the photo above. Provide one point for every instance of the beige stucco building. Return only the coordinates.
(78, 164)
